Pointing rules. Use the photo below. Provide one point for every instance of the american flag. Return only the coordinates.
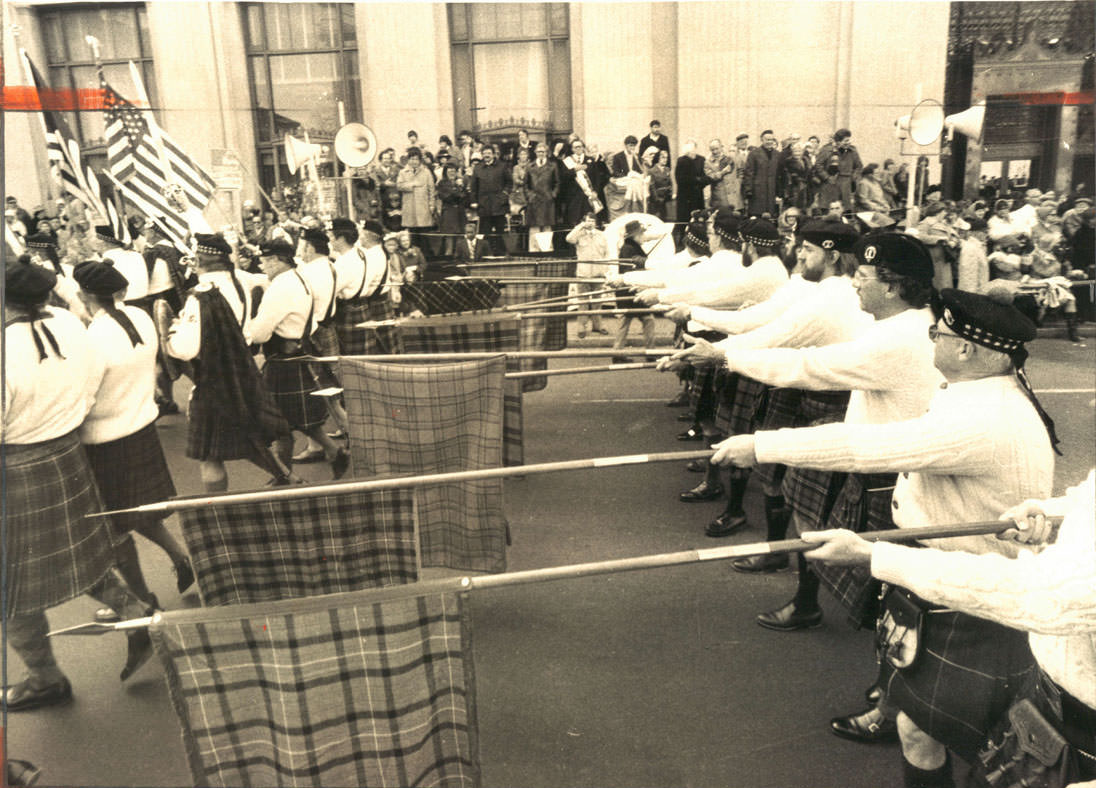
(137, 151)
(66, 162)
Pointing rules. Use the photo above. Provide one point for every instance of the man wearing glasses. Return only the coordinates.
(983, 444)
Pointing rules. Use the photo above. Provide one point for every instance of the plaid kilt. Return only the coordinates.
(325, 340)
(131, 471)
(354, 341)
(858, 510)
(778, 409)
(291, 383)
(965, 677)
(260, 552)
(360, 689)
(738, 403)
(213, 435)
(538, 333)
(811, 493)
(53, 553)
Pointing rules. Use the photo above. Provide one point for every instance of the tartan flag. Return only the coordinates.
(147, 160)
(259, 552)
(371, 688)
(435, 418)
(66, 161)
(477, 334)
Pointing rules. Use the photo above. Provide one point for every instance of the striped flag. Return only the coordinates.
(145, 159)
(66, 162)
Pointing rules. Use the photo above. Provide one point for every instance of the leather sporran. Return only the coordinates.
(898, 634)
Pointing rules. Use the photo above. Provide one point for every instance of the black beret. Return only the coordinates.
(696, 235)
(632, 227)
(726, 223)
(342, 225)
(28, 285)
(374, 227)
(829, 234)
(987, 320)
(212, 244)
(278, 248)
(760, 232)
(41, 241)
(896, 252)
(99, 278)
(104, 232)
(317, 238)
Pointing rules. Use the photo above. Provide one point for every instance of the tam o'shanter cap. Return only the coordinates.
(727, 224)
(899, 253)
(374, 227)
(829, 234)
(985, 320)
(212, 244)
(28, 284)
(315, 237)
(760, 232)
(104, 232)
(99, 278)
(280, 249)
(341, 224)
(40, 241)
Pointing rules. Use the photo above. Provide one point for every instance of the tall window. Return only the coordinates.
(511, 66)
(302, 60)
(122, 31)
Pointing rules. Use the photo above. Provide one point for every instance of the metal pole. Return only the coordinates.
(401, 482)
(419, 357)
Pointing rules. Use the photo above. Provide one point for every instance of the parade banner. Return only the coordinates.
(434, 418)
(473, 333)
(374, 688)
(540, 333)
(283, 549)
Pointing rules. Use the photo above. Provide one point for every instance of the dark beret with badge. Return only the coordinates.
(696, 235)
(280, 249)
(829, 234)
(898, 253)
(212, 245)
(760, 232)
(726, 222)
(41, 241)
(105, 233)
(28, 285)
(341, 226)
(317, 239)
(99, 278)
(374, 227)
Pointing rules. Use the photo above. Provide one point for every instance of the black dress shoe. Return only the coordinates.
(867, 727)
(697, 466)
(24, 697)
(691, 434)
(725, 525)
(703, 492)
(340, 464)
(138, 651)
(873, 695)
(788, 619)
(760, 564)
(184, 576)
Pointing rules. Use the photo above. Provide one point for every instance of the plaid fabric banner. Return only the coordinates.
(350, 690)
(442, 297)
(435, 418)
(258, 552)
(537, 333)
(477, 334)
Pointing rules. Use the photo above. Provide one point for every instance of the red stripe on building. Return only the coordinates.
(1057, 98)
(25, 98)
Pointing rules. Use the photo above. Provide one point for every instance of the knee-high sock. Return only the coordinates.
(806, 592)
(927, 778)
(735, 494)
(776, 518)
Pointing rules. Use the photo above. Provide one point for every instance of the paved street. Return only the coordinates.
(648, 678)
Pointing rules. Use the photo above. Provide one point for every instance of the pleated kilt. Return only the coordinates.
(858, 510)
(967, 674)
(131, 471)
(53, 553)
(354, 341)
(778, 409)
(738, 403)
(701, 380)
(811, 494)
(214, 435)
(325, 340)
(291, 383)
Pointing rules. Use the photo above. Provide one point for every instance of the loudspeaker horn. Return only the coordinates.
(926, 122)
(968, 122)
(355, 145)
(297, 152)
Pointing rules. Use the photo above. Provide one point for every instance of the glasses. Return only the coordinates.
(934, 332)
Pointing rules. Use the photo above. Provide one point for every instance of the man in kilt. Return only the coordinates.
(231, 416)
(119, 432)
(889, 370)
(283, 326)
(362, 289)
(319, 272)
(53, 553)
(167, 279)
(983, 444)
(828, 312)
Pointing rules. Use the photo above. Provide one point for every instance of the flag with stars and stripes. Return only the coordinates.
(66, 161)
(145, 160)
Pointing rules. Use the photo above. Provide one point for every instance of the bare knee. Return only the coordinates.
(920, 749)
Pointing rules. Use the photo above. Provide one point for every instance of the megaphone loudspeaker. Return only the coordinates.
(969, 122)
(297, 152)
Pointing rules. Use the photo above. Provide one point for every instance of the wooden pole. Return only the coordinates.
(596, 352)
(566, 572)
(537, 261)
(402, 482)
(547, 373)
(599, 312)
(582, 298)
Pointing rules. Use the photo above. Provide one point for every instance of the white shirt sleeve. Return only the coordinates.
(184, 338)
